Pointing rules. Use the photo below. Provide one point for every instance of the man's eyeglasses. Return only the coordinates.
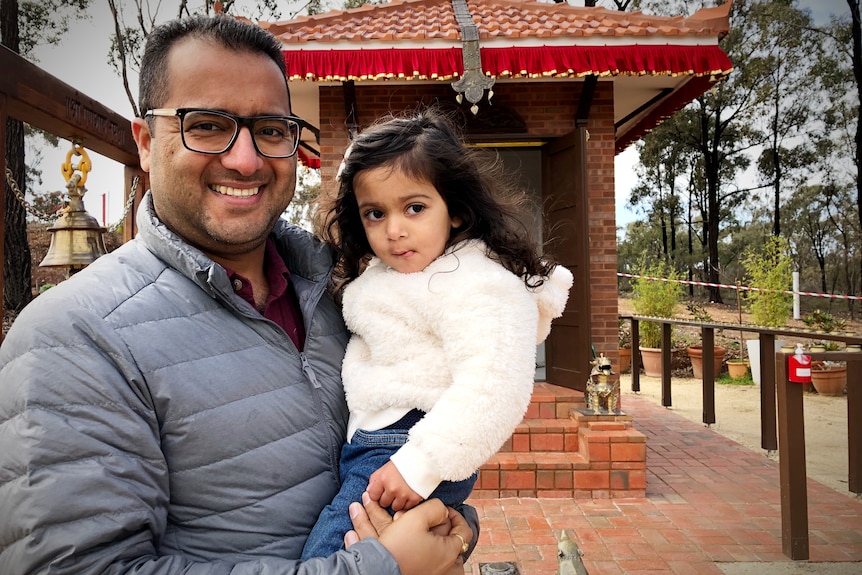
(215, 132)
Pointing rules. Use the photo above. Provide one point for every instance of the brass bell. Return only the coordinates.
(76, 236)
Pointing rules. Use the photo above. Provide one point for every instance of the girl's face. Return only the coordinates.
(406, 221)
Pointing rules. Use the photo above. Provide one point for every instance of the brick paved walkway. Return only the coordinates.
(708, 500)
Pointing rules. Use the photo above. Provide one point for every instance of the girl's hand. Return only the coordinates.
(388, 488)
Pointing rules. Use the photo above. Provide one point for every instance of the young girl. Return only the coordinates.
(444, 319)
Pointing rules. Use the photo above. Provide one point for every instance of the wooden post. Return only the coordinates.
(854, 425)
(636, 356)
(791, 459)
(4, 115)
(768, 360)
(666, 351)
(708, 341)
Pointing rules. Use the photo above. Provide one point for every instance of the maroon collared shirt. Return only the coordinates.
(282, 305)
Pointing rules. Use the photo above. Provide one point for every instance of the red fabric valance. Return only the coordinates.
(531, 62)
(307, 160)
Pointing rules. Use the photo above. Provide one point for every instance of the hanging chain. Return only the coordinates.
(28, 207)
(10, 179)
(128, 208)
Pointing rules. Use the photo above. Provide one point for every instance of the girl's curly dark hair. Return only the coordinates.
(426, 146)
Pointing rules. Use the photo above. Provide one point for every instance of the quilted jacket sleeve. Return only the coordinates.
(83, 482)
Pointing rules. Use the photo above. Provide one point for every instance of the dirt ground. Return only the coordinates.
(738, 406)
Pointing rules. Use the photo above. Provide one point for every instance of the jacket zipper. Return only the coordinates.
(334, 450)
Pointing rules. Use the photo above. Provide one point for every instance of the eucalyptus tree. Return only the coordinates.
(784, 49)
(841, 212)
(661, 163)
(839, 72)
(856, 59)
(23, 26)
(764, 105)
(810, 231)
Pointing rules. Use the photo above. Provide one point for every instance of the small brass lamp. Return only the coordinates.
(76, 236)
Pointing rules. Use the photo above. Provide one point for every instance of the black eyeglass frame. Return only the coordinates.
(240, 121)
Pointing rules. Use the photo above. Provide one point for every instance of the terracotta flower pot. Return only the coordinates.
(737, 368)
(695, 353)
(625, 359)
(830, 382)
(651, 360)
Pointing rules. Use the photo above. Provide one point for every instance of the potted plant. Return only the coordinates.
(823, 321)
(737, 368)
(658, 297)
(828, 378)
(695, 352)
(770, 271)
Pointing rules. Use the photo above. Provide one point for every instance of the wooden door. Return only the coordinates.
(568, 348)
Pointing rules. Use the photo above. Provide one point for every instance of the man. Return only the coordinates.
(177, 407)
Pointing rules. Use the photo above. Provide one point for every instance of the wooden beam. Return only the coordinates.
(40, 99)
(3, 117)
(585, 103)
(350, 107)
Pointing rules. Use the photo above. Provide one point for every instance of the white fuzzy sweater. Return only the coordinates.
(456, 340)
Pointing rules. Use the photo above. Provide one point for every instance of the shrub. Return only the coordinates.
(655, 298)
(771, 270)
(823, 321)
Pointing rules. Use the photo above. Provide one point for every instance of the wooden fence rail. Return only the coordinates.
(783, 429)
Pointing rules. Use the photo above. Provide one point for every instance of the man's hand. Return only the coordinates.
(413, 538)
(388, 488)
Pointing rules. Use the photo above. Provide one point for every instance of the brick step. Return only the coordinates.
(543, 435)
(609, 462)
(558, 475)
(553, 402)
(530, 474)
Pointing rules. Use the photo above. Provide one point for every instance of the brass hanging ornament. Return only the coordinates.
(76, 236)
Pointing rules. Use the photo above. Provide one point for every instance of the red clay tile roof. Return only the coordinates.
(496, 20)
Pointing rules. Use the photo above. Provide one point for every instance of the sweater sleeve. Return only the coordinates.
(486, 322)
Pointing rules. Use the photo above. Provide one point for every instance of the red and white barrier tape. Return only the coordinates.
(744, 288)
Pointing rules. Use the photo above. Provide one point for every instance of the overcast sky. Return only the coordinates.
(81, 61)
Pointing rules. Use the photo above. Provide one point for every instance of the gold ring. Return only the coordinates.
(464, 544)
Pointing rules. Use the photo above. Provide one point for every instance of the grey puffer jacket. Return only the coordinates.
(152, 422)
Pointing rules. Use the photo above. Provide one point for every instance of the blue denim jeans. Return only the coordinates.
(367, 452)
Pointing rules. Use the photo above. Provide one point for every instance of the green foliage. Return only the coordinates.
(46, 21)
(823, 321)
(698, 312)
(655, 298)
(725, 379)
(770, 269)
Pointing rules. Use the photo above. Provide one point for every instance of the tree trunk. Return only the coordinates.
(711, 167)
(16, 266)
(856, 34)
